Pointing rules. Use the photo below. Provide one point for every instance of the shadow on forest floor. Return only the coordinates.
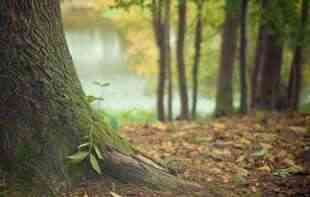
(255, 155)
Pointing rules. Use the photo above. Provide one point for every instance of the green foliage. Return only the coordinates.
(112, 120)
(287, 171)
(127, 4)
(89, 149)
(261, 153)
(117, 118)
(233, 5)
(305, 107)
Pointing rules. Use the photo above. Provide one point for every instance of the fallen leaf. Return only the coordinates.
(265, 168)
(115, 194)
(219, 126)
(298, 129)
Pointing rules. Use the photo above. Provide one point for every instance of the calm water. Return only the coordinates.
(99, 56)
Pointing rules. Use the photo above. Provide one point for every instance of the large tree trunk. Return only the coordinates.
(42, 104)
(295, 80)
(182, 6)
(224, 94)
(243, 45)
(197, 45)
(44, 112)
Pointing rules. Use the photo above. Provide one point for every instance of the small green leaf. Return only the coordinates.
(261, 152)
(84, 145)
(113, 122)
(101, 84)
(98, 153)
(94, 163)
(86, 137)
(79, 156)
(91, 99)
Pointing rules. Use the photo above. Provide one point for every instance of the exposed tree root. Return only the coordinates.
(142, 170)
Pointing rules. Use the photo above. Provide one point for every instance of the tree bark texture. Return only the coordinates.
(224, 94)
(182, 81)
(42, 103)
(295, 80)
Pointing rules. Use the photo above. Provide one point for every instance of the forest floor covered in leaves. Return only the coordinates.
(255, 155)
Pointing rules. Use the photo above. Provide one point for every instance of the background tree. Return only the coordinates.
(197, 46)
(182, 81)
(295, 79)
(168, 58)
(224, 93)
(258, 56)
(243, 57)
(268, 93)
(160, 36)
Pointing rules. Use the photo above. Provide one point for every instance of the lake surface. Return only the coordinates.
(100, 56)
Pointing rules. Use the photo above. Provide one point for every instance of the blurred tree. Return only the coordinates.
(182, 81)
(159, 26)
(268, 94)
(197, 55)
(169, 58)
(258, 56)
(243, 57)
(224, 95)
(295, 79)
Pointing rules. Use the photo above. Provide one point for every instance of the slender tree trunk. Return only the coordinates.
(197, 46)
(168, 59)
(182, 6)
(258, 57)
(224, 95)
(243, 46)
(160, 36)
(44, 113)
(295, 79)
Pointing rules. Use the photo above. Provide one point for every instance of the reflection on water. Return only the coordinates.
(99, 56)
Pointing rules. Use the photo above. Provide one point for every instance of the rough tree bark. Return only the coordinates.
(295, 80)
(243, 46)
(182, 6)
(43, 110)
(224, 94)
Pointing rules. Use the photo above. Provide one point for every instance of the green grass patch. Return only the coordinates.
(118, 118)
(305, 107)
